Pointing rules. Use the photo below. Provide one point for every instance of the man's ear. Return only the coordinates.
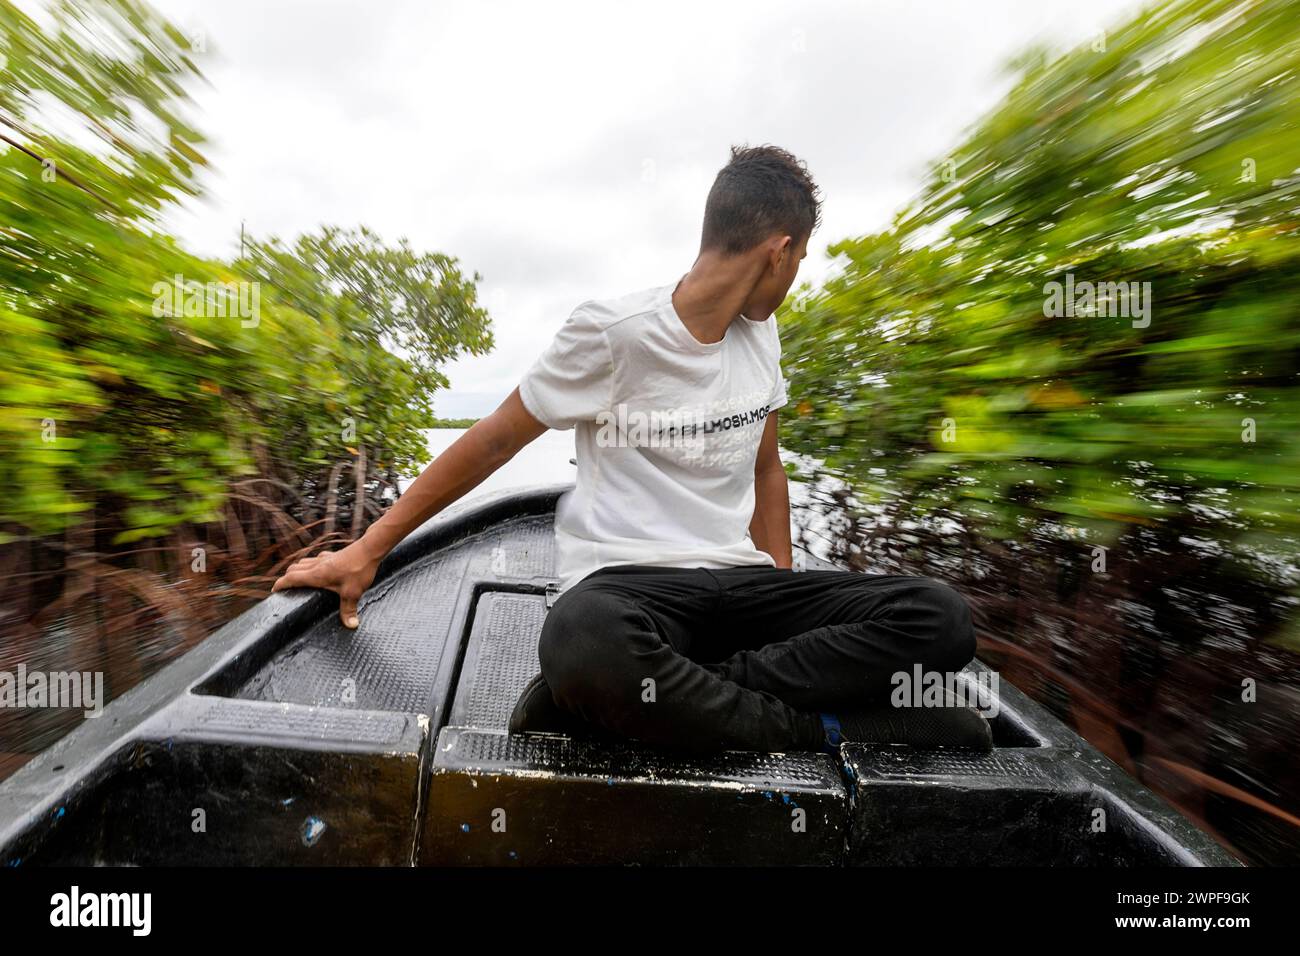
(780, 249)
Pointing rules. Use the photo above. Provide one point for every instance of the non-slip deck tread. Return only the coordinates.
(388, 663)
(391, 661)
(906, 762)
(245, 720)
(503, 659)
(471, 750)
(521, 549)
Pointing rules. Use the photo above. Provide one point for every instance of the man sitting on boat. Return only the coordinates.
(680, 621)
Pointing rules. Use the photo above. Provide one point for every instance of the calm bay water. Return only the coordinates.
(546, 461)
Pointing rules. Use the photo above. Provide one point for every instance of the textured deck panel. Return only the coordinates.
(500, 659)
(521, 549)
(245, 721)
(391, 661)
(493, 752)
(1024, 767)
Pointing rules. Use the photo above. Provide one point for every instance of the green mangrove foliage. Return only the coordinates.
(140, 380)
(1087, 320)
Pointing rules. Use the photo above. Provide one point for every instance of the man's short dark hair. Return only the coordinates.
(762, 191)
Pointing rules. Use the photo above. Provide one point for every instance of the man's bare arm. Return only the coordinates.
(770, 527)
(485, 447)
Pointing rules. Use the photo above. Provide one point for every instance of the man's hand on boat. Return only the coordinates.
(487, 445)
(347, 573)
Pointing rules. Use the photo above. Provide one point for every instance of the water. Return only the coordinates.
(547, 460)
(544, 461)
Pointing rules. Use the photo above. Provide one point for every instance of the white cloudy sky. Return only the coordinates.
(563, 150)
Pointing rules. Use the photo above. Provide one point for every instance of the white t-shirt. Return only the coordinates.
(667, 433)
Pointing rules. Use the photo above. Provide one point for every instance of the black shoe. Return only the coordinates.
(921, 727)
(536, 712)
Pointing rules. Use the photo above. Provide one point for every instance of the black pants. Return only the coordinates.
(742, 658)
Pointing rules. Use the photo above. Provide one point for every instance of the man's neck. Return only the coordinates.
(711, 296)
